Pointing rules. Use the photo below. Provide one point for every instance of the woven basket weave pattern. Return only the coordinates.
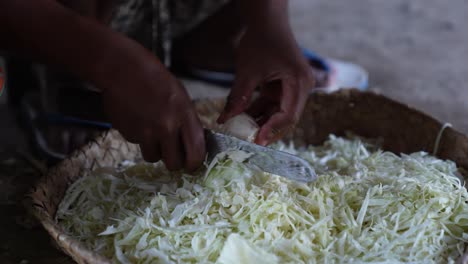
(402, 129)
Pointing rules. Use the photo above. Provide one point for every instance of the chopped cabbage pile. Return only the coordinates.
(367, 206)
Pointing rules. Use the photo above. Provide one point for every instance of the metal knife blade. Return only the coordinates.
(267, 159)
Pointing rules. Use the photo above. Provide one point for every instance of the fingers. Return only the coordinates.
(267, 103)
(184, 146)
(275, 128)
(151, 152)
(172, 151)
(150, 149)
(239, 98)
(194, 143)
(177, 148)
(289, 107)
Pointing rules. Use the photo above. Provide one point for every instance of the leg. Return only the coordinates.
(211, 45)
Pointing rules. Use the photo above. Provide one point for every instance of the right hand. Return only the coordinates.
(151, 108)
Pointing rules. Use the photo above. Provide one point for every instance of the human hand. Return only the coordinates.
(151, 108)
(272, 61)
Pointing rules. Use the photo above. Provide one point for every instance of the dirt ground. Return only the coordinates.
(415, 52)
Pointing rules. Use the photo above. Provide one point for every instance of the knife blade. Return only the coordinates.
(266, 159)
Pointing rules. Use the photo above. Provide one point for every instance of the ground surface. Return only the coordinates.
(415, 52)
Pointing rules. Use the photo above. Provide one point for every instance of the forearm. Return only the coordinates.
(48, 32)
(264, 13)
(268, 20)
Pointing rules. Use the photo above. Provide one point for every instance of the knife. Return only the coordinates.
(266, 159)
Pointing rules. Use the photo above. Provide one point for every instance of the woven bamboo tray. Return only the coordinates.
(403, 130)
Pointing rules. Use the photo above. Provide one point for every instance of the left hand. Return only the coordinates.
(272, 61)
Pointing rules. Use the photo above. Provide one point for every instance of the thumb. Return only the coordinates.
(275, 128)
(239, 99)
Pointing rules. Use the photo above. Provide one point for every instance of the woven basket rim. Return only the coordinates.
(111, 147)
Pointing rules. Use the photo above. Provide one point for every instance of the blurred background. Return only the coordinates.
(415, 52)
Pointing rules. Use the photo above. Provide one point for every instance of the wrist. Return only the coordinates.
(99, 57)
(101, 62)
(114, 55)
(125, 57)
(264, 13)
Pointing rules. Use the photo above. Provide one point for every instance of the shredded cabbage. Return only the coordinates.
(367, 206)
(241, 126)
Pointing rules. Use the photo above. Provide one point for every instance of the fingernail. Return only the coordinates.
(261, 142)
(270, 137)
(221, 118)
